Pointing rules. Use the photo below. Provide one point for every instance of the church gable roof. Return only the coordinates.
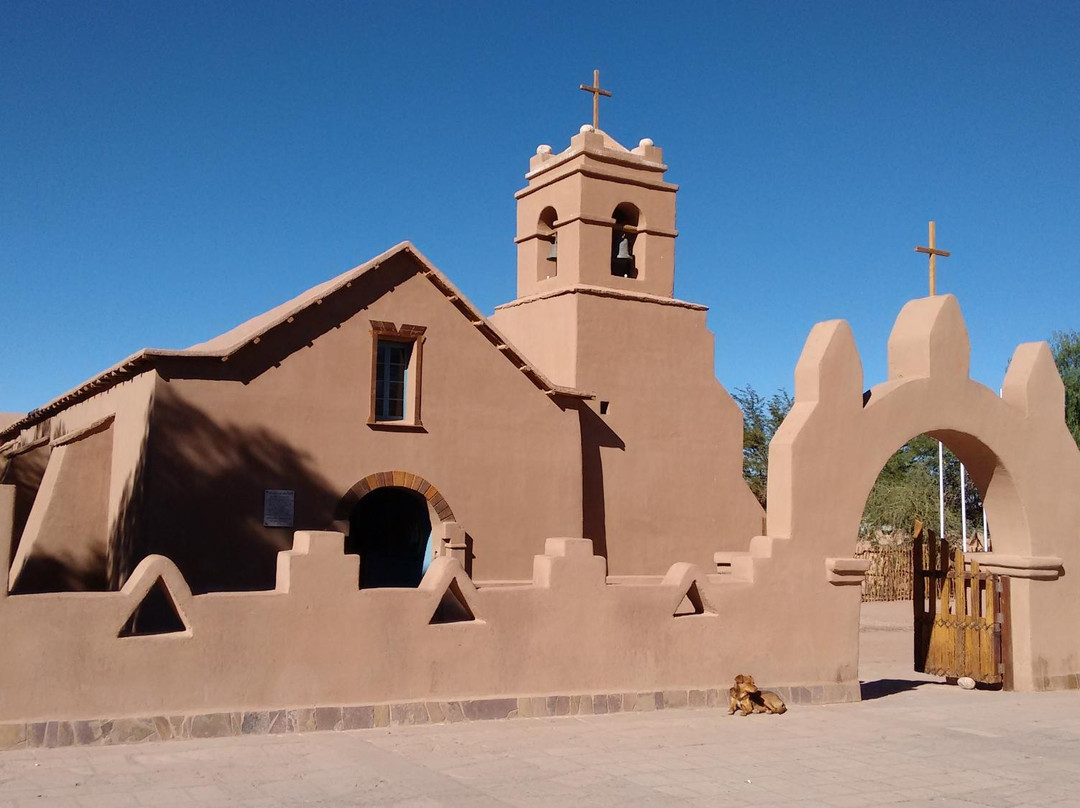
(221, 348)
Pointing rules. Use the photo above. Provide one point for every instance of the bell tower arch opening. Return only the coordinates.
(547, 263)
(624, 231)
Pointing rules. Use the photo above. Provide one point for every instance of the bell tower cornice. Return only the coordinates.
(595, 153)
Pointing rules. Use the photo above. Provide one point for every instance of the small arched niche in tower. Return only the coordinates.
(624, 233)
(547, 265)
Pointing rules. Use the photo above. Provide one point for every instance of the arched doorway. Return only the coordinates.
(959, 628)
(390, 529)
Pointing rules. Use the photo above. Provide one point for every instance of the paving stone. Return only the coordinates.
(453, 712)
(301, 719)
(435, 712)
(410, 713)
(327, 719)
(675, 698)
(362, 717)
(645, 702)
(12, 736)
(133, 730)
(486, 709)
(212, 725)
(382, 715)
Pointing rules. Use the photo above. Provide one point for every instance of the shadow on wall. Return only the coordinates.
(46, 573)
(24, 471)
(595, 435)
(203, 501)
(126, 538)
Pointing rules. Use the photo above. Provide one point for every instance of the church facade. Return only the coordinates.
(383, 405)
(372, 505)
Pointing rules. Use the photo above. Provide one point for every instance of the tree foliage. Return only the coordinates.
(761, 418)
(1066, 348)
(907, 489)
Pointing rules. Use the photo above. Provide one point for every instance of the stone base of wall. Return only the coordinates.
(111, 732)
(1065, 681)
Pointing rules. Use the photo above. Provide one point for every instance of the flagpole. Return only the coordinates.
(941, 489)
(963, 508)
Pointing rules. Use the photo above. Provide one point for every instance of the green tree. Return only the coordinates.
(907, 489)
(1066, 348)
(761, 418)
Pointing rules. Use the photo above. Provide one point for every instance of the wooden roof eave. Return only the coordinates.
(149, 358)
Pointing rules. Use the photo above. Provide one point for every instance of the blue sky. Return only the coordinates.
(171, 169)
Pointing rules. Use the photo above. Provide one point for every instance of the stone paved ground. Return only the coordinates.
(913, 741)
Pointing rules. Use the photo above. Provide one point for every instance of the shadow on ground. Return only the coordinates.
(880, 688)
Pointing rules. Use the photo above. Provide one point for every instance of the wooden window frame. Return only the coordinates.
(414, 335)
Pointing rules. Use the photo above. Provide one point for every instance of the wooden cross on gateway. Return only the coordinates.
(596, 93)
(933, 253)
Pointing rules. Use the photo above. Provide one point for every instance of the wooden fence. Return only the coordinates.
(889, 576)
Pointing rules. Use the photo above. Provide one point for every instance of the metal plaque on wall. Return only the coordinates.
(278, 506)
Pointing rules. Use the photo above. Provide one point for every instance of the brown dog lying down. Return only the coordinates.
(746, 697)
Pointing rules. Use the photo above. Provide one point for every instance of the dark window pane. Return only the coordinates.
(391, 371)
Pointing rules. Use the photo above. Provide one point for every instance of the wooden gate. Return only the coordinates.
(962, 625)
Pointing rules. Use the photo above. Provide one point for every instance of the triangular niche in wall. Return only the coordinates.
(452, 608)
(691, 602)
(155, 614)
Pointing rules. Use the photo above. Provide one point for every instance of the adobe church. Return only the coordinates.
(383, 405)
(373, 505)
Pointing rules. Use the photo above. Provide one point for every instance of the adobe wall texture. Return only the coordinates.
(787, 611)
(76, 522)
(505, 457)
(318, 641)
(669, 449)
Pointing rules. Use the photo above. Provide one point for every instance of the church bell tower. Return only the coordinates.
(595, 310)
(596, 215)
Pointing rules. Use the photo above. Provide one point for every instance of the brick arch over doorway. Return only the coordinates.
(395, 479)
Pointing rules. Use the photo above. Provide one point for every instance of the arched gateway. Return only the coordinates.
(1017, 449)
(388, 519)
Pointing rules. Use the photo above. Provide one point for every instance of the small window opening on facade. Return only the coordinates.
(623, 235)
(391, 379)
(396, 368)
(604, 407)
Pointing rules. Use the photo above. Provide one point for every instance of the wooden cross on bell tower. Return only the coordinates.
(596, 93)
(933, 253)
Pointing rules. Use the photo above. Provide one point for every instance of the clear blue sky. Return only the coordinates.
(171, 169)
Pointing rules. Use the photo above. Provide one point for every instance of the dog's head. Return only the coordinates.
(744, 683)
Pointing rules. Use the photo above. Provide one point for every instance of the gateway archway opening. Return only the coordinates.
(936, 604)
(390, 529)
